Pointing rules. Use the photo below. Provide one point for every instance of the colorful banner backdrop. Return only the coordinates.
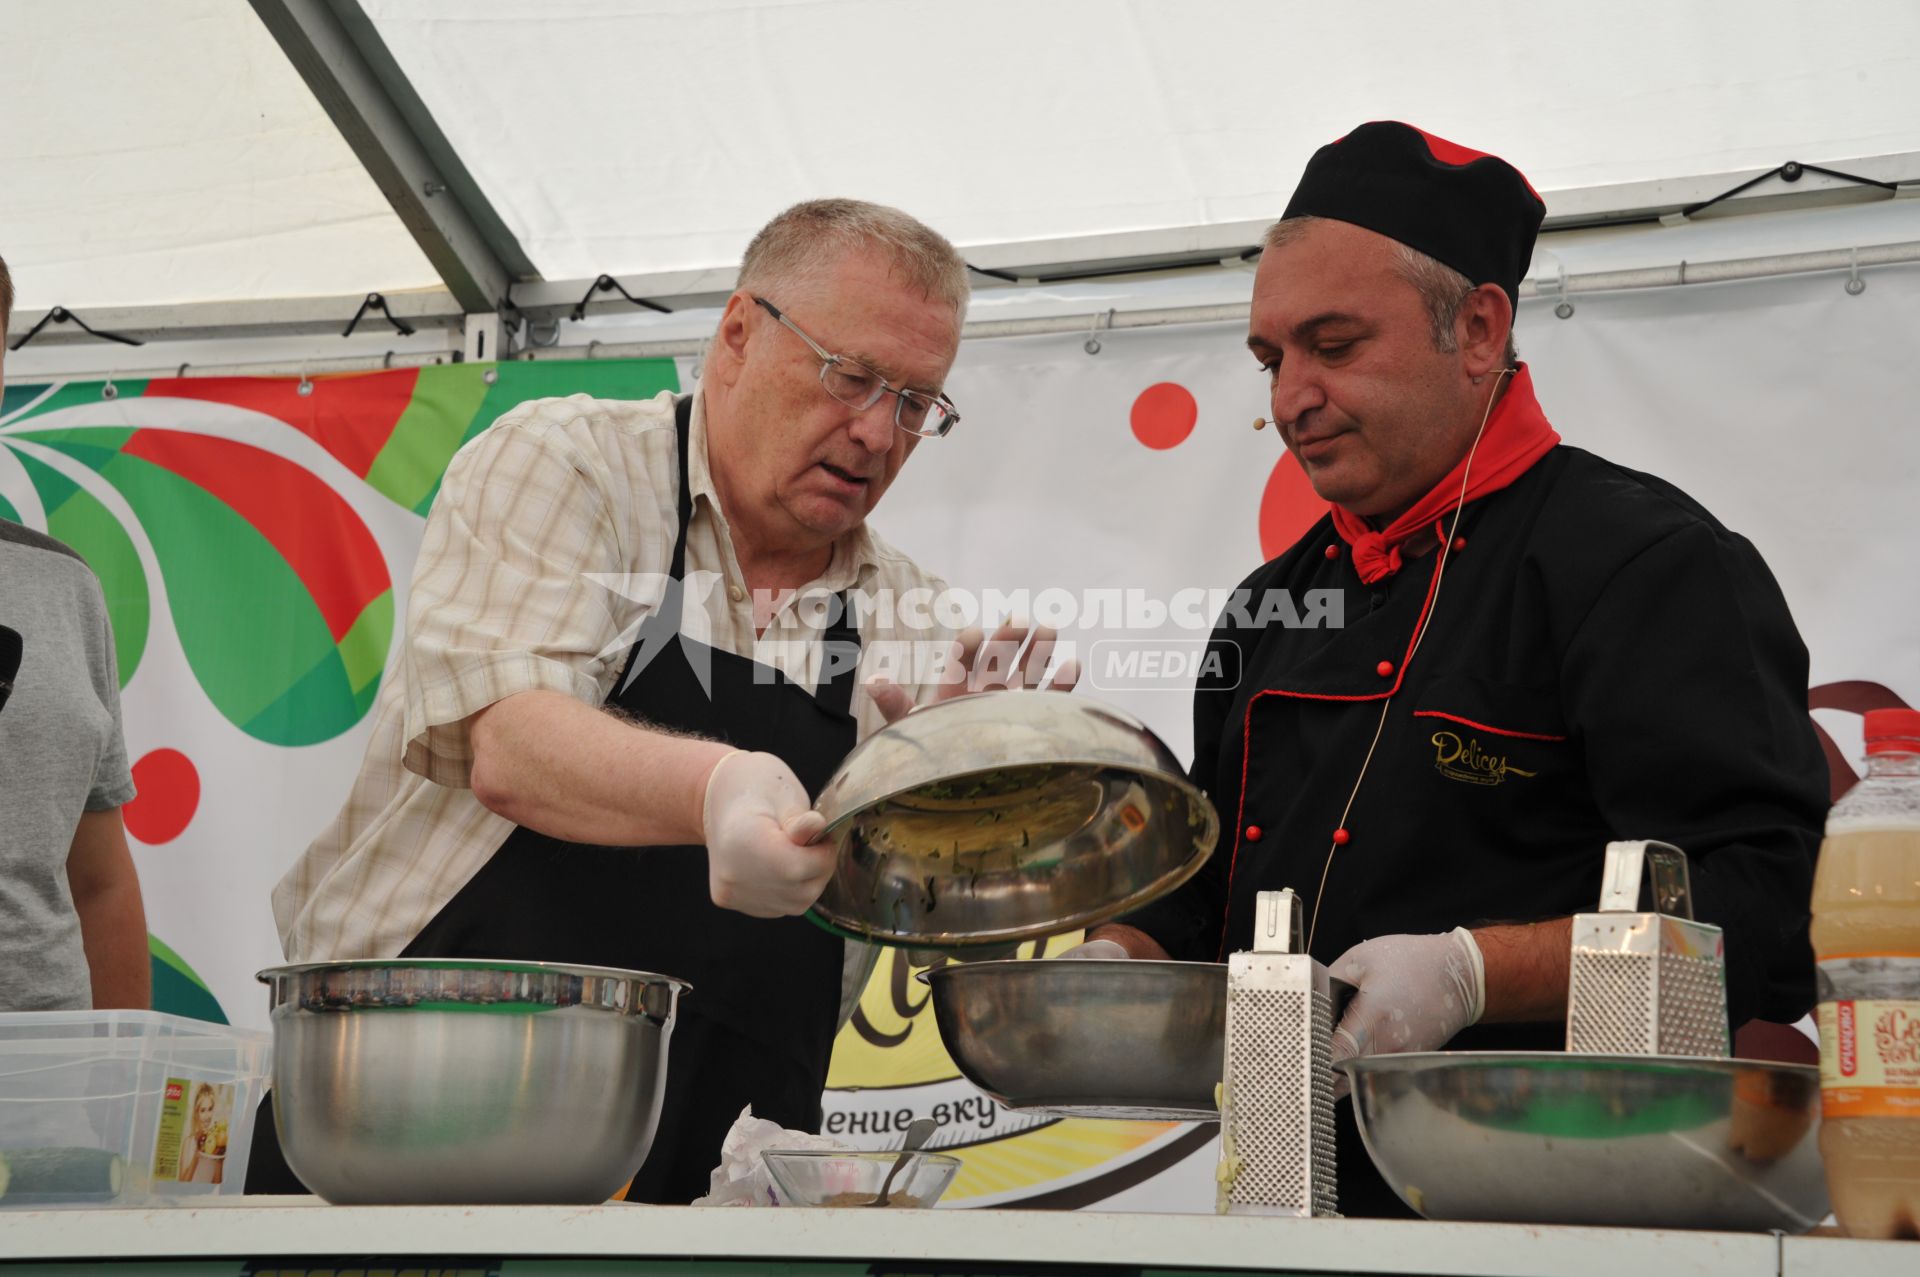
(255, 539)
(232, 523)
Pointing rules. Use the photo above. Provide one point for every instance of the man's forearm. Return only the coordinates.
(1527, 971)
(569, 770)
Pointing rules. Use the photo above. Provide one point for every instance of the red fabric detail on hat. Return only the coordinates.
(1454, 153)
(1449, 152)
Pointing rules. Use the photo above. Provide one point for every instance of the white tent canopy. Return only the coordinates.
(159, 153)
(667, 131)
(647, 139)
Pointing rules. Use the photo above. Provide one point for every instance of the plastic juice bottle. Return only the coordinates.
(1866, 936)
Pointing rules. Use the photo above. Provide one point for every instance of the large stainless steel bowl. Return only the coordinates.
(1007, 816)
(1128, 1039)
(438, 1080)
(1634, 1141)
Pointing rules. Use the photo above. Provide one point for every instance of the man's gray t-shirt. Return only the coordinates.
(61, 753)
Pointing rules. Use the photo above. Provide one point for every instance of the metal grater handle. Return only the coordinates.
(1279, 922)
(1663, 862)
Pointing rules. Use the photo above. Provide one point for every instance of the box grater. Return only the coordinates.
(1276, 1101)
(1646, 983)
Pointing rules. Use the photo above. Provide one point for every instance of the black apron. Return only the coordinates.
(758, 1027)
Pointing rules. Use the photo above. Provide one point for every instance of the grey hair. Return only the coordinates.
(1443, 290)
(797, 248)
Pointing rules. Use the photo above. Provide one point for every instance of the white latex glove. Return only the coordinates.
(759, 833)
(981, 664)
(1098, 950)
(1414, 994)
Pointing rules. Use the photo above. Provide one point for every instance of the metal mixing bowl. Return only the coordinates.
(1632, 1141)
(440, 1080)
(1007, 816)
(1128, 1039)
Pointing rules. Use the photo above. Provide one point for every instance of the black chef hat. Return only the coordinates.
(1468, 209)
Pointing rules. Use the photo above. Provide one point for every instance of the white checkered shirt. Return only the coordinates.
(550, 539)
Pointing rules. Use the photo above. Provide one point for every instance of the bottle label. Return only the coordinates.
(1870, 1058)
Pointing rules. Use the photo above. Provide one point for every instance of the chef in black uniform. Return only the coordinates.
(544, 782)
(1541, 651)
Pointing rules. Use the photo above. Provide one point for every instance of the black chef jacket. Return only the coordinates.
(1604, 660)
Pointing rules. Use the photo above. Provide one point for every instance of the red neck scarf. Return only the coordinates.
(1517, 435)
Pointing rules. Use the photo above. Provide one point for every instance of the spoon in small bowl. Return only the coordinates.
(918, 1131)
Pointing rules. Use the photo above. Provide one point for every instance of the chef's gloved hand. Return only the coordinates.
(1098, 950)
(1414, 993)
(760, 831)
(976, 663)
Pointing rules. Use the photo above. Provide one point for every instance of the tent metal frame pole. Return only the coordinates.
(1167, 252)
(1684, 274)
(337, 51)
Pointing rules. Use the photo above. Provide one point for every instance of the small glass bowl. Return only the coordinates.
(832, 1177)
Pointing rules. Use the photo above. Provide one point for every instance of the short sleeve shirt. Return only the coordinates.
(61, 753)
(550, 540)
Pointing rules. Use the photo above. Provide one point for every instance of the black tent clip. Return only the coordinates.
(376, 302)
(61, 315)
(606, 284)
(1791, 171)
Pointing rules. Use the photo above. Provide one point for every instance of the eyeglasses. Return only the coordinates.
(860, 387)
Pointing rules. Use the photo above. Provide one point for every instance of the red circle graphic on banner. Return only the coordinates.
(1164, 414)
(169, 786)
(1288, 507)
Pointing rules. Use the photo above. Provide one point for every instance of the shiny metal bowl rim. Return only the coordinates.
(510, 966)
(1086, 704)
(1415, 1061)
(959, 942)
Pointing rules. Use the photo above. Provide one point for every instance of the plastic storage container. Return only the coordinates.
(125, 1108)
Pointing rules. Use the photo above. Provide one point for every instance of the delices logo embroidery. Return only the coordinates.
(1468, 762)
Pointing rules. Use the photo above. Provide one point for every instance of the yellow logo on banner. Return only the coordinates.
(891, 1039)
(889, 1066)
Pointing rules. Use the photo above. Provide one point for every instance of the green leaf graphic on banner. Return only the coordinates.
(7, 511)
(248, 626)
(74, 394)
(363, 650)
(446, 398)
(177, 988)
(317, 696)
(521, 380)
(76, 517)
(278, 591)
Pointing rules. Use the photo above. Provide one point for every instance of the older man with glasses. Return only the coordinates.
(562, 770)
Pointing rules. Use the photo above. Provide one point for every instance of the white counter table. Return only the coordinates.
(297, 1235)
